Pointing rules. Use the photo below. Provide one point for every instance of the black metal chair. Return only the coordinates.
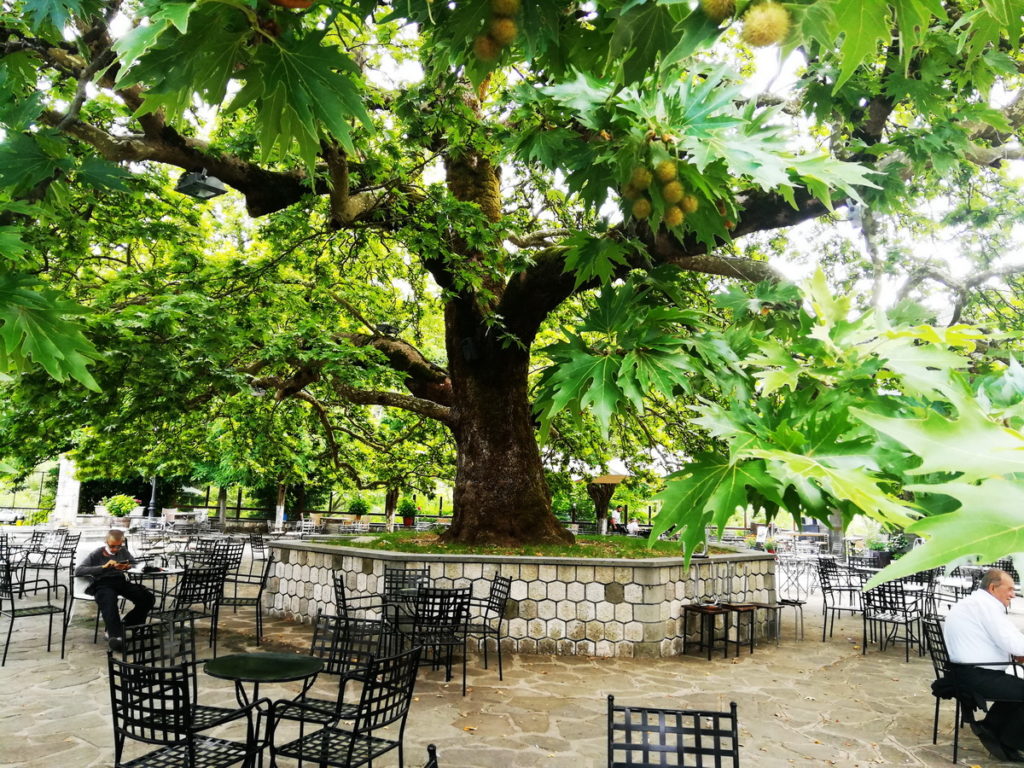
(55, 557)
(387, 686)
(888, 609)
(362, 606)
(399, 581)
(486, 616)
(347, 647)
(651, 737)
(438, 626)
(155, 705)
(19, 599)
(172, 644)
(431, 757)
(258, 549)
(236, 601)
(201, 586)
(837, 587)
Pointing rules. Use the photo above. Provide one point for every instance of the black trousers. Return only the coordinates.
(1005, 716)
(108, 591)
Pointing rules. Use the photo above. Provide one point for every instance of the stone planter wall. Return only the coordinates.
(558, 605)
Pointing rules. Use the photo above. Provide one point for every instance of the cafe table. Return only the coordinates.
(263, 667)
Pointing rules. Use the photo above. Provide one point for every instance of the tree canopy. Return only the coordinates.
(420, 193)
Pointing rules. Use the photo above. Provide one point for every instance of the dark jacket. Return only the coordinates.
(92, 567)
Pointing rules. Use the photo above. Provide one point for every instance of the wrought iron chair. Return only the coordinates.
(171, 644)
(236, 601)
(486, 616)
(19, 599)
(888, 608)
(362, 606)
(258, 549)
(650, 737)
(201, 586)
(431, 757)
(155, 705)
(347, 647)
(438, 626)
(836, 588)
(54, 557)
(387, 686)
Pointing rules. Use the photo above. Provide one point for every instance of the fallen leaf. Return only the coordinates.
(469, 727)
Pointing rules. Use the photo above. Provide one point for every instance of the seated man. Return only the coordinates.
(633, 527)
(106, 566)
(977, 630)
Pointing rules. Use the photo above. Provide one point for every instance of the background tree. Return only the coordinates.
(477, 182)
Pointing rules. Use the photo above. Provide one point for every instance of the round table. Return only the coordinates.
(263, 667)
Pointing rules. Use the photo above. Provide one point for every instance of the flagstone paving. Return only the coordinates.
(803, 703)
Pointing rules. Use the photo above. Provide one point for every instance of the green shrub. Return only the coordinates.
(38, 517)
(119, 505)
(358, 506)
(407, 508)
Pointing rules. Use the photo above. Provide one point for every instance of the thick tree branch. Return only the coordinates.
(426, 408)
(424, 379)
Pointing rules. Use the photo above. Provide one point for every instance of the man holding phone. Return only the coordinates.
(106, 567)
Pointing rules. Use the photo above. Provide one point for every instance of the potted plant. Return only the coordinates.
(407, 509)
(879, 549)
(769, 545)
(120, 505)
(358, 507)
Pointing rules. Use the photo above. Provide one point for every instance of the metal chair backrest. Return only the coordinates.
(501, 586)
(936, 645)
(387, 691)
(440, 610)
(164, 643)
(396, 580)
(149, 704)
(347, 645)
(200, 585)
(646, 737)
(887, 599)
(220, 552)
(258, 546)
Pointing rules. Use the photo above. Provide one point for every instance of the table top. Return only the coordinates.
(263, 667)
(163, 573)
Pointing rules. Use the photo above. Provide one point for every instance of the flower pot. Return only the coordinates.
(408, 521)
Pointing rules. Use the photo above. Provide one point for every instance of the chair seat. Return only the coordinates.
(365, 748)
(209, 753)
(326, 711)
(239, 602)
(32, 610)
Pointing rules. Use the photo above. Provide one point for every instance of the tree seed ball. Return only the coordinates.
(502, 30)
(640, 178)
(718, 10)
(504, 7)
(641, 208)
(673, 216)
(665, 170)
(672, 192)
(486, 49)
(629, 192)
(690, 203)
(765, 24)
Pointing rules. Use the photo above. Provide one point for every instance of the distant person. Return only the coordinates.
(633, 527)
(615, 520)
(977, 630)
(106, 567)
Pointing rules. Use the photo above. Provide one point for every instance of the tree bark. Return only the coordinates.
(222, 506)
(501, 496)
(601, 494)
(390, 505)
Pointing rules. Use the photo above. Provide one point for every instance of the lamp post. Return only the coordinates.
(151, 509)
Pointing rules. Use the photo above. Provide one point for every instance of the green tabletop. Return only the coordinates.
(263, 667)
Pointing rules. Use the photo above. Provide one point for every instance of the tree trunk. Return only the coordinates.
(279, 509)
(222, 506)
(601, 494)
(501, 496)
(390, 504)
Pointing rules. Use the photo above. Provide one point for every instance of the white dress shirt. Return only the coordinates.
(977, 630)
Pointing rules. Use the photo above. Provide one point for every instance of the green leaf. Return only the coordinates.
(697, 31)
(865, 25)
(708, 492)
(300, 87)
(24, 163)
(640, 36)
(971, 443)
(97, 172)
(593, 258)
(988, 525)
(51, 13)
(12, 247)
(34, 330)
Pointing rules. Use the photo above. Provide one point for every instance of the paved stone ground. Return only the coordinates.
(804, 703)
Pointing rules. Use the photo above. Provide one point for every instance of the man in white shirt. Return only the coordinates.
(633, 527)
(978, 631)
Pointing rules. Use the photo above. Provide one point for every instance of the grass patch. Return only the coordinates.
(425, 542)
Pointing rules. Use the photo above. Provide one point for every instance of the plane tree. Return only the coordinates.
(507, 156)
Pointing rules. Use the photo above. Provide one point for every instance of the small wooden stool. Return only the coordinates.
(742, 611)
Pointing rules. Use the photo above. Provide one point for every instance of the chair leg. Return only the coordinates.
(497, 645)
(935, 722)
(7, 644)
